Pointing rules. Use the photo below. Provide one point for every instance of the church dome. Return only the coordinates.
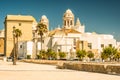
(43, 17)
(45, 21)
(68, 13)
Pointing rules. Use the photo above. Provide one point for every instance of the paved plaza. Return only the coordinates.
(29, 71)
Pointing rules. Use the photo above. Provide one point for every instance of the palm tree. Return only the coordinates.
(41, 28)
(18, 34)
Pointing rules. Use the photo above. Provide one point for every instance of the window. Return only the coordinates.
(82, 45)
(68, 23)
(20, 24)
(65, 23)
(71, 22)
(58, 50)
(102, 45)
(42, 41)
(90, 45)
(20, 46)
(74, 42)
(74, 47)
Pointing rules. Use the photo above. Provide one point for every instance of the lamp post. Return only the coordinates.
(14, 47)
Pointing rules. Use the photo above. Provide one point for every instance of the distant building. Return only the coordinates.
(24, 23)
(72, 36)
(26, 48)
(69, 38)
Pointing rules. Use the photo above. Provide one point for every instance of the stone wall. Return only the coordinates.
(50, 62)
(93, 67)
(108, 68)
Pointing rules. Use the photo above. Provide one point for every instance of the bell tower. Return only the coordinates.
(45, 21)
(68, 19)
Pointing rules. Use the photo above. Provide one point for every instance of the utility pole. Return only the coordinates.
(14, 47)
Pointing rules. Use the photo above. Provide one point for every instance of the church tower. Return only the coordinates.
(78, 22)
(68, 19)
(45, 21)
(79, 27)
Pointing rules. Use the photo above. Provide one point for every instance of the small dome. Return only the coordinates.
(43, 17)
(68, 13)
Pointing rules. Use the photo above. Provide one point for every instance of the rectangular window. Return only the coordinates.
(74, 42)
(20, 24)
(90, 45)
(58, 50)
(20, 46)
(42, 41)
(82, 45)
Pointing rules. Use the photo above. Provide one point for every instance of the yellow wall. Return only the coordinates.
(86, 48)
(1, 45)
(25, 27)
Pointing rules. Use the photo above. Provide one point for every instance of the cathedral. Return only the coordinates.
(72, 36)
(68, 38)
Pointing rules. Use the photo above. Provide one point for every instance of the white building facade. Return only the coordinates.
(69, 38)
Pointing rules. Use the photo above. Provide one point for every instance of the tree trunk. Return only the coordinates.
(16, 48)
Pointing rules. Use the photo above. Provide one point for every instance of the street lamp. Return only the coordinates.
(14, 47)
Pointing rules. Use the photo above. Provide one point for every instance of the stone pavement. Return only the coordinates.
(29, 71)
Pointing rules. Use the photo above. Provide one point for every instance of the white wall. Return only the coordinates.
(22, 49)
(29, 47)
(25, 48)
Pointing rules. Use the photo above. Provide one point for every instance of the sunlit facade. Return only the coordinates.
(1, 42)
(69, 37)
(24, 23)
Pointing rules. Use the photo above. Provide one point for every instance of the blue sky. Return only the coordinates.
(100, 16)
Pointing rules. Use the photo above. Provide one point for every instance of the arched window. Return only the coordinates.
(65, 23)
(71, 22)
